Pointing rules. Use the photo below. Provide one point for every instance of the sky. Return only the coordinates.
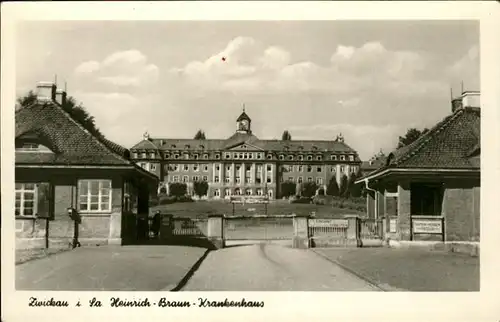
(369, 80)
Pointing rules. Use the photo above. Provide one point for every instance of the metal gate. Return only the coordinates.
(258, 228)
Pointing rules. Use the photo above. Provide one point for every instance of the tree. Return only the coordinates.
(177, 189)
(355, 190)
(200, 188)
(286, 136)
(333, 188)
(309, 189)
(200, 135)
(76, 111)
(344, 186)
(288, 189)
(411, 136)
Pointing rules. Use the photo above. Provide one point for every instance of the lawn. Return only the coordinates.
(410, 269)
(279, 207)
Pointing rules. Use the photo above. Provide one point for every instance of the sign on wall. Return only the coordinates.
(250, 199)
(423, 226)
(336, 223)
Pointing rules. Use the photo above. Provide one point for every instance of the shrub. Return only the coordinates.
(200, 188)
(177, 189)
(309, 189)
(163, 190)
(166, 200)
(185, 199)
(333, 188)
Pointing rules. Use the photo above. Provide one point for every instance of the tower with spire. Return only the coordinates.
(243, 123)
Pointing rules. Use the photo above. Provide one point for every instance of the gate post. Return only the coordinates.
(301, 231)
(353, 230)
(216, 230)
(167, 226)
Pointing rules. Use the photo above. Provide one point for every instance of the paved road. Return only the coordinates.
(266, 267)
(128, 268)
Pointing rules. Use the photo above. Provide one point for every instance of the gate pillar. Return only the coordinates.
(216, 230)
(301, 231)
(353, 230)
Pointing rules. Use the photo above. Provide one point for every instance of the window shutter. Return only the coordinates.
(43, 200)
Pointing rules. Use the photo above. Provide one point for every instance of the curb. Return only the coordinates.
(189, 274)
(382, 287)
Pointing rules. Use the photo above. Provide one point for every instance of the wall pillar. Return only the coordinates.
(115, 229)
(216, 230)
(167, 226)
(404, 211)
(301, 232)
(370, 204)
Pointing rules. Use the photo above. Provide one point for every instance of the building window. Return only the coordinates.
(426, 199)
(342, 158)
(185, 179)
(318, 158)
(26, 199)
(301, 168)
(333, 169)
(258, 180)
(235, 155)
(135, 155)
(342, 169)
(237, 191)
(94, 195)
(152, 155)
(186, 156)
(227, 180)
(282, 157)
(269, 179)
(166, 155)
(270, 193)
(186, 167)
(309, 157)
(227, 192)
(301, 157)
(351, 158)
(196, 167)
(217, 156)
(176, 156)
(319, 180)
(205, 167)
(216, 179)
(299, 180)
(143, 155)
(290, 179)
(318, 169)
(238, 168)
(248, 192)
(216, 193)
(269, 156)
(290, 157)
(268, 167)
(195, 156)
(227, 155)
(333, 158)
(195, 178)
(259, 155)
(176, 167)
(176, 178)
(152, 167)
(143, 165)
(205, 156)
(238, 180)
(259, 192)
(205, 178)
(247, 180)
(309, 168)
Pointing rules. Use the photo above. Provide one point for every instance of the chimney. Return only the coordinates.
(60, 97)
(46, 91)
(467, 99)
(471, 99)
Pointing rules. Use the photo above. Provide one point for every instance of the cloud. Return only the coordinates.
(250, 67)
(128, 68)
(466, 68)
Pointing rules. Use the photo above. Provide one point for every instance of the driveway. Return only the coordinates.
(110, 268)
(266, 267)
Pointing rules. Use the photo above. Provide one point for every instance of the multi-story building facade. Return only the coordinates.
(244, 164)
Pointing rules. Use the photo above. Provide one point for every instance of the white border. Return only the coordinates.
(299, 305)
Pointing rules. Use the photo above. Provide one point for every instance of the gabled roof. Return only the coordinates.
(70, 142)
(447, 145)
(243, 116)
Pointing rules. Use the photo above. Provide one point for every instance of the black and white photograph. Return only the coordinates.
(245, 155)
